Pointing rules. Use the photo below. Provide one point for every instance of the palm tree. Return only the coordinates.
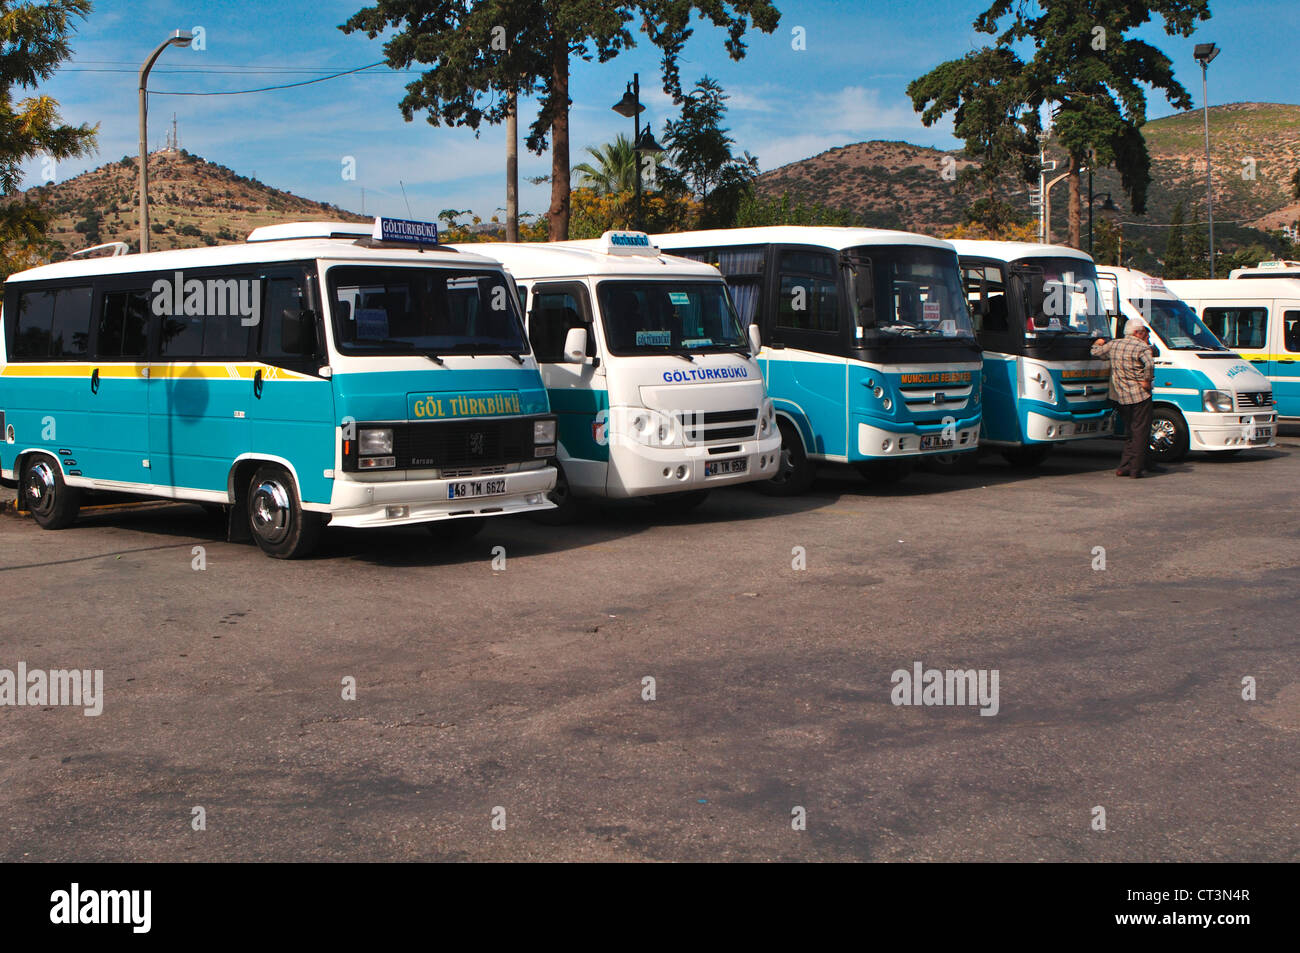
(614, 169)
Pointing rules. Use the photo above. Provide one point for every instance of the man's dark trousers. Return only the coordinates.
(1137, 432)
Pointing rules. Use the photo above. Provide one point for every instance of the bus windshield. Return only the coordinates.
(1071, 302)
(916, 290)
(666, 317)
(432, 311)
(1177, 324)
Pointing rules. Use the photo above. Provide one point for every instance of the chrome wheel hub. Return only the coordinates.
(270, 511)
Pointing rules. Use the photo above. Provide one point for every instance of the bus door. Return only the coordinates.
(118, 383)
(579, 397)
(198, 404)
(290, 406)
(1284, 358)
(807, 366)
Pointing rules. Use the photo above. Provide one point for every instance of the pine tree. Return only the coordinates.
(1176, 262)
(1085, 64)
(476, 52)
(33, 42)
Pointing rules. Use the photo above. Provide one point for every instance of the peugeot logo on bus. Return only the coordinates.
(476, 444)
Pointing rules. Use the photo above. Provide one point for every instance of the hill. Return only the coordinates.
(191, 202)
(901, 185)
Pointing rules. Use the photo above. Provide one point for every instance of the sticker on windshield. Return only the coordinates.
(1180, 340)
(372, 324)
(932, 312)
(654, 338)
(948, 328)
(697, 342)
(679, 297)
(1054, 324)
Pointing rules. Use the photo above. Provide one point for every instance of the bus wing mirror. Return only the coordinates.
(755, 340)
(575, 346)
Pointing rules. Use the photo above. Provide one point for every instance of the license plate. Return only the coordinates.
(936, 441)
(471, 488)
(719, 467)
(1263, 433)
(1088, 426)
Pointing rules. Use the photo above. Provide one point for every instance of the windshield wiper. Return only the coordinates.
(683, 354)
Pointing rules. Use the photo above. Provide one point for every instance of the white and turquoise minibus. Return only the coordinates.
(318, 373)
(1205, 396)
(867, 345)
(1037, 311)
(1259, 318)
(650, 374)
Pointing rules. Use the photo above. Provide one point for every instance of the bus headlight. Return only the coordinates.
(1217, 401)
(543, 431)
(374, 443)
(767, 417)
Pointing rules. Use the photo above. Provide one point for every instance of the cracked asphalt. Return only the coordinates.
(517, 696)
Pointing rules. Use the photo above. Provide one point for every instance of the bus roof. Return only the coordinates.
(1134, 283)
(1268, 269)
(1235, 288)
(823, 235)
(583, 258)
(1014, 251)
(348, 245)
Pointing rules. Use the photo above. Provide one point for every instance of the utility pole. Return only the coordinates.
(512, 168)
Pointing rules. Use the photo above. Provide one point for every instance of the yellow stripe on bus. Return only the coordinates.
(174, 371)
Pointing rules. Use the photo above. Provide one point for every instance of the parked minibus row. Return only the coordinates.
(335, 374)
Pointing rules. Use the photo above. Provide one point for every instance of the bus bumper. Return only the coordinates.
(1052, 426)
(639, 470)
(403, 502)
(904, 440)
(1231, 431)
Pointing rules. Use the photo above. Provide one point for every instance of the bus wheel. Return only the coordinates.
(678, 503)
(1028, 456)
(567, 507)
(794, 472)
(1169, 440)
(282, 528)
(886, 472)
(460, 530)
(52, 503)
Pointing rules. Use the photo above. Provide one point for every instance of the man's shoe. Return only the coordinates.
(1121, 473)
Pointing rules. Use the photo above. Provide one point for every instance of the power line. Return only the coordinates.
(264, 89)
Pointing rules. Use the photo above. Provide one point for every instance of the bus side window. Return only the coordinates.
(809, 296)
(288, 326)
(1238, 327)
(33, 324)
(70, 333)
(1291, 331)
(986, 291)
(553, 314)
(123, 330)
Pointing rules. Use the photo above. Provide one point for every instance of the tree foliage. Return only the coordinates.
(703, 164)
(34, 40)
(1177, 261)
(612, 167)
(1086, 66)
(476, 50)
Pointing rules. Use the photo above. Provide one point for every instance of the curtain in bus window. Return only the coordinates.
(741, 261)
(123, 324)
(745, 296)
(1238, 327)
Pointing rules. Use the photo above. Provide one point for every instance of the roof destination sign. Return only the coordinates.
(406, 231)
(627, 243)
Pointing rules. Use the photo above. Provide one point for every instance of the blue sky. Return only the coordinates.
(847, 86)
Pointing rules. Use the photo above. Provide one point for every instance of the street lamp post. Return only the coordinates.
(643, 142)
(178, 38)
(1205, 54)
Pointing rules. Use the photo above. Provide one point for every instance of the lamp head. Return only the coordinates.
(628, 105)
(646, 144)
(181, 38)
(1205, 53)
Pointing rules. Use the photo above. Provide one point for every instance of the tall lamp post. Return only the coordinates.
(643, 141)
(178, 38)
(1205, 54)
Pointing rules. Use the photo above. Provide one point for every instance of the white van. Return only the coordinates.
(648, 368)
(1268, 269)
(1206, 397)
(1260, 319)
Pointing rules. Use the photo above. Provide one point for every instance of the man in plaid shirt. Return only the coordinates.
(1131, 371)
